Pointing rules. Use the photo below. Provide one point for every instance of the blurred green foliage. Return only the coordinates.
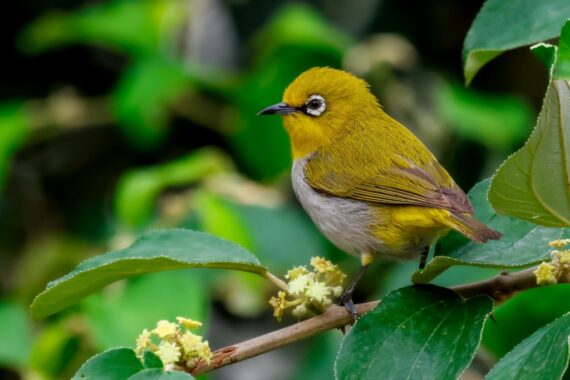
(14, 128)
(115, 318)
(520, 179)
(139, 189)
(497, 122)
(16, 335)
(158, 131)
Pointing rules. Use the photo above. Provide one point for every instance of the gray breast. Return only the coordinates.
(345, 222)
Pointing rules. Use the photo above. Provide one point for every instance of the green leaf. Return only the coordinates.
(543, 355)
(432, 332)
(154, 251)
(528, 21)
(150, 360)
(496, 121)
(159, 374)
(15, 330)
(523, 243)
(534, 183)
(114, 364)
(556, 58)
(562, 67)
(138, 189)
(546, 53)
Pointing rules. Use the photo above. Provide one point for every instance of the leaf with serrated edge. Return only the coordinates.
(418, 332)
(534, 183)
(154, 251)
(543, 355)
(529, 21)
(522, 244)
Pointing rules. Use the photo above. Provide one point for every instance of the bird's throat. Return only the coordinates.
(305, 139)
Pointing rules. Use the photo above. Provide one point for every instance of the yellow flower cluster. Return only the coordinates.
(549, 273)
(174, 344)
(309, 292)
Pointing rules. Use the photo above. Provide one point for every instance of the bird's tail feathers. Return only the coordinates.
(472, 228)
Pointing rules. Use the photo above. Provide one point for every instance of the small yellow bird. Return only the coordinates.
(371, 187)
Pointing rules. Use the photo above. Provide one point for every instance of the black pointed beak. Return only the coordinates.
(279, 108)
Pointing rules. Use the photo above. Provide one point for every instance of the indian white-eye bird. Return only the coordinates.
(367, 182)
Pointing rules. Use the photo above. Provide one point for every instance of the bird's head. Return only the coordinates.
(321, 105)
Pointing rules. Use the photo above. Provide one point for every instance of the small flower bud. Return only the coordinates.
(337, 291)
(279, 304)
(296, 272)
(168, 352)
(165, 329)
(559, 243)
(317, 291)
(546, 274)
(188, 323)
(299, 311)
(143, 341)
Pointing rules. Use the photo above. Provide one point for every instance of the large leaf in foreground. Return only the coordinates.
(114, 364)
(543, 355)
(154, 251)
(122, 363)
(505, 25)
(432, 332)
(523, 243)
(159, 374)
(534, 183)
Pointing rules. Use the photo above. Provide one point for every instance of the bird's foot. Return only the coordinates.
(346, 301)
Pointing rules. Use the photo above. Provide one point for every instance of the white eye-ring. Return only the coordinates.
(315, 105)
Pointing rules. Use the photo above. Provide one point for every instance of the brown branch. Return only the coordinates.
(499, 288)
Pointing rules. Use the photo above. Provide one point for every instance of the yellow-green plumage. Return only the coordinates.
(354, 151)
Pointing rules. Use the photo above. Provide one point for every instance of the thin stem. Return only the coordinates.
(499, 288)
(276, 280)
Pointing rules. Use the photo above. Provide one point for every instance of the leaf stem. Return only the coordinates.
(276, 280)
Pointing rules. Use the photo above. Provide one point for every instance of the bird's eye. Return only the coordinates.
(315, 105)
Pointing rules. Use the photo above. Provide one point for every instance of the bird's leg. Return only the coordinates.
(346, 298)
(423, 257)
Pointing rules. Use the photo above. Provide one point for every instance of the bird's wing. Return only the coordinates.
(387, 179)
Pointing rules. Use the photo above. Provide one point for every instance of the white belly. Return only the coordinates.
(345, 222)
